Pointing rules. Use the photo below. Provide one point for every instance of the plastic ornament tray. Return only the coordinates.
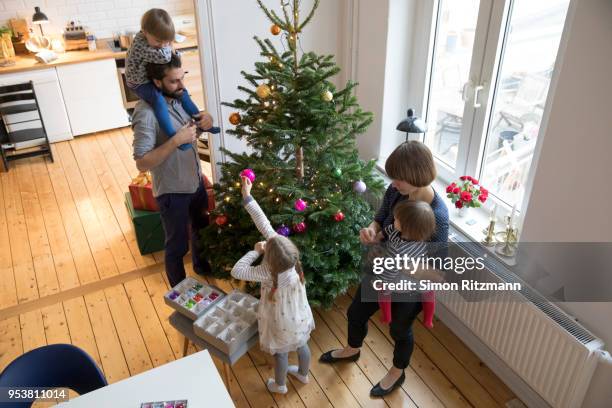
(192, 298)
(230, 323)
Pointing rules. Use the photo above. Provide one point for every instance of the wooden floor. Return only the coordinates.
(70, 272)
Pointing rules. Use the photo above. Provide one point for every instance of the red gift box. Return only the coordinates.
(210, 192)
(141, 191)
(211, 197)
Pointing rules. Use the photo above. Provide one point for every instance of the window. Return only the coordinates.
(491, 67)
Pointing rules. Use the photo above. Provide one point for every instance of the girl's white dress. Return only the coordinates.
(284, 325)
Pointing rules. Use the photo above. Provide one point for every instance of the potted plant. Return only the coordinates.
(466, 193)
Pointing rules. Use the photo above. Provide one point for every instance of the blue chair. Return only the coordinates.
(53, 366)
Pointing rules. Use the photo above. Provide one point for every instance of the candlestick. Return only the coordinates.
(512, 214)
(494, 212)
(490, 233)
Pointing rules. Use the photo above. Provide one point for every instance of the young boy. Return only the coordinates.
(153, 45)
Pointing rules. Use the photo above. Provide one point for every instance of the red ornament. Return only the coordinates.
(221, 220)
(339, 216)
(299, 227)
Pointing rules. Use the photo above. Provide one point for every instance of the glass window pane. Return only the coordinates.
(529, 54)
(452, 56)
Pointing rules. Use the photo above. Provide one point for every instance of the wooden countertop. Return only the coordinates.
(27, 62)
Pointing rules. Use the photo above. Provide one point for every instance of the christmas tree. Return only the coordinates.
(305, 168)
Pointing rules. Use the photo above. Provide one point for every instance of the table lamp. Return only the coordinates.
(39, 18)
(412, 124)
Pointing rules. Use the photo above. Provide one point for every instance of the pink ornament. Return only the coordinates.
(300, 205)
(299, 227)
(248, 173)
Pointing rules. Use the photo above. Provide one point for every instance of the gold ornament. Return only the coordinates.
(275, 30)
(234, 118)
(327, 96)
(263, 91)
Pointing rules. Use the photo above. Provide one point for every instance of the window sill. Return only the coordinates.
(469, 228)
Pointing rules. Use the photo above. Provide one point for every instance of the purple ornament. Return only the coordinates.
(299, 227)
(300, 205)
(248, 173)
(359, 186)
(283, 230)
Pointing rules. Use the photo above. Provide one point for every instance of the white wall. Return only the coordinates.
(570, 199)
(391, 73)
(231, 46)
(372, 19)
(103, 17)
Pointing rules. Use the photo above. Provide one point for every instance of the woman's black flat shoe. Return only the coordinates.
(378, 391)
(328, 358)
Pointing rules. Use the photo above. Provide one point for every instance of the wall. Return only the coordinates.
(103, 17)
(227, 30)
(390, 72)
(570, 199)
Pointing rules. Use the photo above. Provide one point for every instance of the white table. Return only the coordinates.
(194, 378)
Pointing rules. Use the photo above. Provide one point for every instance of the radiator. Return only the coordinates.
(544, 346)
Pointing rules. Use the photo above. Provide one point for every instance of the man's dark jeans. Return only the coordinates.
(183, 215)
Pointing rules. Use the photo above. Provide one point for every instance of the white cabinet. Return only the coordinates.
(92, 96)
(50, 101)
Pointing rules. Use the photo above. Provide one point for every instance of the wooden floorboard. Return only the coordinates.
(71, 272)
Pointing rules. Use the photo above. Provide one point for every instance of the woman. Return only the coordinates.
(412, 169)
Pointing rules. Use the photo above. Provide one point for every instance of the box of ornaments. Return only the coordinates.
(230, 323)
(192, 298)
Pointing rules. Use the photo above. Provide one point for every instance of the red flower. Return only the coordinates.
(474, 181)
(458, 204)
(463, 178)
(450, 188)
(484, 191)
(456, 190)
(466, 196)
(482, 198)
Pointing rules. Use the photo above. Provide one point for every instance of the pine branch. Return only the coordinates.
(310, 15)
(273, 18)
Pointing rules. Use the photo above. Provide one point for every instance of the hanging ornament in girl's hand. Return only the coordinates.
(339, 216)
(283, 230)
(300, 205)
(327, 96)
(275, 30)
(299, 227)
(221, 220)
(248, 173)
(359, 187)
(234, 118)
(263, 91)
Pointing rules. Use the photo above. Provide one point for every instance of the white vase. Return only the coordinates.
(461, 212)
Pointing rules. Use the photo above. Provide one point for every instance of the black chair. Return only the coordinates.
(53, 366)
(21, 137)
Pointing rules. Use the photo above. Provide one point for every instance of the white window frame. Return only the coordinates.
(491, 28)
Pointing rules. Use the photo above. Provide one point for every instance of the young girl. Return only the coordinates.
(284, 316)
(414, 224)
(153, 45)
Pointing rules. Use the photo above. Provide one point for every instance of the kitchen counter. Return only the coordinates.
(27, 62)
